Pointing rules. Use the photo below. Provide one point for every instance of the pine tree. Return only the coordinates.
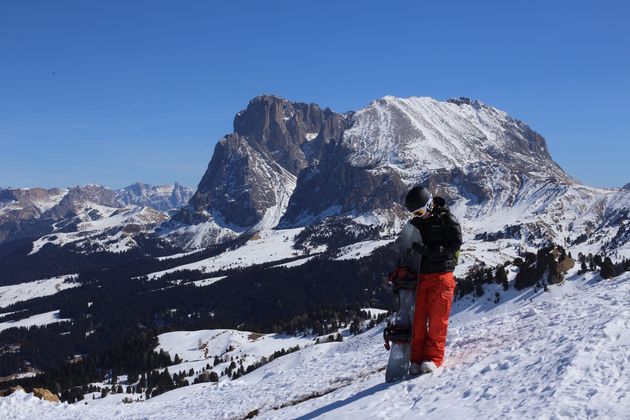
(502, 277)
(479, 289)
(608, 269)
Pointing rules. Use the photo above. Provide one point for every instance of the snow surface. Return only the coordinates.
(562, 354)
(361, 249)
(198, 348)
(25, 291)
(208, 281)
(267, 246)
(39, 319)
(295, 263)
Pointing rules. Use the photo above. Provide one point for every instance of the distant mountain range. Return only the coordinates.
(34, 212)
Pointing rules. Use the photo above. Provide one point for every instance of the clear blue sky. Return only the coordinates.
(114, 92)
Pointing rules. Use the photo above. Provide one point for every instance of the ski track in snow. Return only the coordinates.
(563, 355)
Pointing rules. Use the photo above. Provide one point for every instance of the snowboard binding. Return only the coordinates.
(396, 334)
(403, 278)
(398, 329)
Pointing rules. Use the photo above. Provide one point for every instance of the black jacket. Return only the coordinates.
(442, 235)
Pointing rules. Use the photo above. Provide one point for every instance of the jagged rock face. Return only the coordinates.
(253, 170)
(279, 129)
(334, 186)
(232, 188)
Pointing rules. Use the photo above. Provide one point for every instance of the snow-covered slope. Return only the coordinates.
(25, 291)
(561, 354)
(39, 319)
(198, 348)
(418, 134)
(111, 231)
(267, 246)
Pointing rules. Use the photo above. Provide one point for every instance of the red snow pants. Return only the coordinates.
(434, 296)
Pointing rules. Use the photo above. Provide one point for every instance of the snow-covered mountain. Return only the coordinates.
(560, 354)
(289, 165)
(161, 197)
(38, 212)
(253, 171)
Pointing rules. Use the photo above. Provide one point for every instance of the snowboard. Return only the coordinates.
(399, 327)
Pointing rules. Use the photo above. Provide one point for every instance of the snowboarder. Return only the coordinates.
(441, 241)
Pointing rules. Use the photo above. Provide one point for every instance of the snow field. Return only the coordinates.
(39, 319)
(271, 245)
(564, 354)
(361, 249)
(564, 357)
(203, 345)
(31, 290)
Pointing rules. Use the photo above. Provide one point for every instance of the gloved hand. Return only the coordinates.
(420, 248)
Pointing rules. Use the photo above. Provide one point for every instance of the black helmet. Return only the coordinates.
(418, 198)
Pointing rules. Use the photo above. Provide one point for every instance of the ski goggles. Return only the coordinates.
(424, 209)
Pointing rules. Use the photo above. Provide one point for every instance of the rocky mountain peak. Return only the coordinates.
(253, 170)
(290, 163)
(279, 128)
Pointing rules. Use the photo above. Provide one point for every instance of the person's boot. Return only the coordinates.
(427, 367)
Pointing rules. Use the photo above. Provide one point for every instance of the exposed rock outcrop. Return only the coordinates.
(45, 394)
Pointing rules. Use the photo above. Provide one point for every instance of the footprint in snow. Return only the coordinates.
(488, 368)
(529, 313)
